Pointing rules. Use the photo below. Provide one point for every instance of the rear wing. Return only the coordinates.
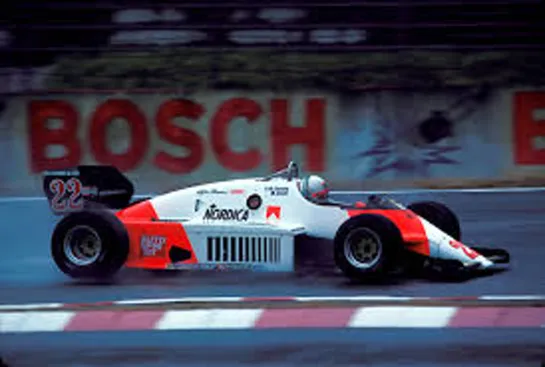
(85, 187)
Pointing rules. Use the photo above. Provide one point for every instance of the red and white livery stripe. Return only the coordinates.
(273, 318)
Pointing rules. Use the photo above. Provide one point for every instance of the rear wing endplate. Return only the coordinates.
(85, 187)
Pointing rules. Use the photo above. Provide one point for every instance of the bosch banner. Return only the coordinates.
(163, 136)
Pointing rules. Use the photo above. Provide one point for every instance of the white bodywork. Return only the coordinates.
(283, 213)
(190, 205)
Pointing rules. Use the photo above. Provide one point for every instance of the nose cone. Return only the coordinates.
(442, 246)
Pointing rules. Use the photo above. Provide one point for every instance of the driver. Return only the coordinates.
(315, 189)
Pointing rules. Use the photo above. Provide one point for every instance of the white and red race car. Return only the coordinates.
(252, 223)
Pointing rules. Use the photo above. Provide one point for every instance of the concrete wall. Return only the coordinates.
(164, 141)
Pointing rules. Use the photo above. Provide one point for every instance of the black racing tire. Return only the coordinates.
(439, 215)
(98, 226)
(370, 226)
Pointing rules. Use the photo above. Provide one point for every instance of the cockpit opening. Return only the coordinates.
(314, 188)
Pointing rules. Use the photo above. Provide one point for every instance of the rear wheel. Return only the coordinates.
(439, 215)
(90, 244)
(367, 247)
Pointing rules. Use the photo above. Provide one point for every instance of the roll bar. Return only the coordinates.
(289, 173)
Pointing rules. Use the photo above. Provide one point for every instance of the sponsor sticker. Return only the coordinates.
(472, 254)
(67, 195)
(152, 245)
(68, 173)
(277, 190)
(211, 192)
(197, 204)
(273, 213)
(215, 213)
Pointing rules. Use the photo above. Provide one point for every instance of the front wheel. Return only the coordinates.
(90, 244)
(367, 247)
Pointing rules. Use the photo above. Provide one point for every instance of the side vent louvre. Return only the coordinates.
(243, 249)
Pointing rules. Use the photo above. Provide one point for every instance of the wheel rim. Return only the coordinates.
(362, 248)
(82, 245)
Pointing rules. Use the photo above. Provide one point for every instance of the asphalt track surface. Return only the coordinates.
(278, 348)
(515, 221)
(510, 220)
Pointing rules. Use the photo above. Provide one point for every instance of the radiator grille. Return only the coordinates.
(249, 249)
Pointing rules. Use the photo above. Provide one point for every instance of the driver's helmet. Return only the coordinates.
(314, 188)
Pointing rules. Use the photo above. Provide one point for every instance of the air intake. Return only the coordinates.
(243, 249)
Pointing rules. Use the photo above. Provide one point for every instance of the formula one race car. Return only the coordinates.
(252, 223)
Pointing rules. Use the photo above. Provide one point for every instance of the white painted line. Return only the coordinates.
(32, 306)
(399, 316)
(146, 301)
(512, 298)
(377, 298)
(177, 300)
(209, 319)
(15, 199)
(357, 298)
(18, 322)
(294, 299)
(431, 191)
